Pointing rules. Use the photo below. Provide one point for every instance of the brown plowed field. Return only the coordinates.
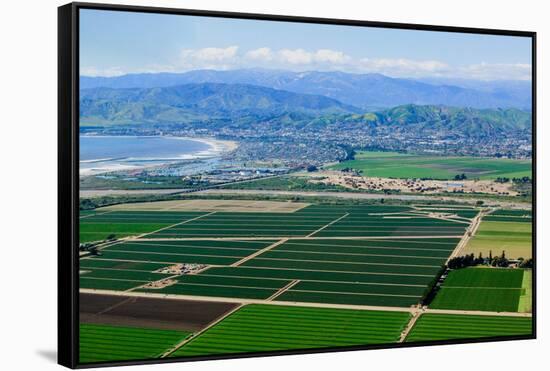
(188, 315)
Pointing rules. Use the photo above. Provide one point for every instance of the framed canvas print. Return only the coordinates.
(237, 185)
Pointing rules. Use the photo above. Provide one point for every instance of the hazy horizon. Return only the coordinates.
(118, 43)
(426, 79)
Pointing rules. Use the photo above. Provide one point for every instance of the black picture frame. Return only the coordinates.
(68, 170)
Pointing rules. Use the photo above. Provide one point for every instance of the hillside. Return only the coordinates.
(197, 102)
(246, 106)
(465, 120)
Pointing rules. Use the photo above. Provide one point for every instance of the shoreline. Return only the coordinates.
(217, 147)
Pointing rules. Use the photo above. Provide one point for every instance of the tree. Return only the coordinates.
(462, 262)
(500, 262)
(527, 263)
(311, 168)
(479, 260)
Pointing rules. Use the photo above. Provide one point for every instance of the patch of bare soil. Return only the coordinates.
(213, 205)
(182, 268)
(160, 284)
(175, 314)
(357, 182)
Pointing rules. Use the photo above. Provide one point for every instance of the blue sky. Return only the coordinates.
(114, 43)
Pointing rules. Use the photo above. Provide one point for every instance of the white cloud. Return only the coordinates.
(210, 54)
(102, 72)
(318, 57)
(296, 56)
(231, 57)
(260, 54)
(495, 71)
(331, 56)
(404, 67)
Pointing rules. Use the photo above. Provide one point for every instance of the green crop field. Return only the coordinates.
(487, 289)
(257, 328)
(344, 254)
(95, 226)
(364, 272)
(398, 165)
(101, 343)
(130, 264)
(448, 326)
(503, 215)
(314, 221)
(314, 254)
(512, 237)
(525, 304)
(513, 212)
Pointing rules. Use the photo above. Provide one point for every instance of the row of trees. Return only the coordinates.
(523, 180)
(493, 261)
(91, 247)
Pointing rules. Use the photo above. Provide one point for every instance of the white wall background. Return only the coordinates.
(28, 180)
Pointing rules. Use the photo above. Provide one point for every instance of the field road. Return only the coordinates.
(196, 334)
(243, 301)
(414, 317)
(411, 310)
(259, 252)
(130, 192)
(470, 232)
(346, 195)
(166, 191)
(362, 196)
(476, 312)
(357, 195)
(261, 238)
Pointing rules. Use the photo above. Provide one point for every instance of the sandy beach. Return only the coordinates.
(216, 148)
(218, 145)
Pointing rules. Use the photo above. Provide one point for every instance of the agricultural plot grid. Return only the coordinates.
(348, 255)
(302, 277)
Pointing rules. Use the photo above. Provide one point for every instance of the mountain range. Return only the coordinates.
(366, 91)
(195, 102)
(241, 105)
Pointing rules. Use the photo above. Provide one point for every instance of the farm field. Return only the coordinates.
(343, 254)
(205, 205)
(100, 343)
(147, 312)
(486, 289)
(295, 256)
(514, 237)
(318, 221)
(398, 165)
(359, 278)
(525, 304)
(257, 328)
(96, 226)
(431, 327)
(365, 272)
(504, 215)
